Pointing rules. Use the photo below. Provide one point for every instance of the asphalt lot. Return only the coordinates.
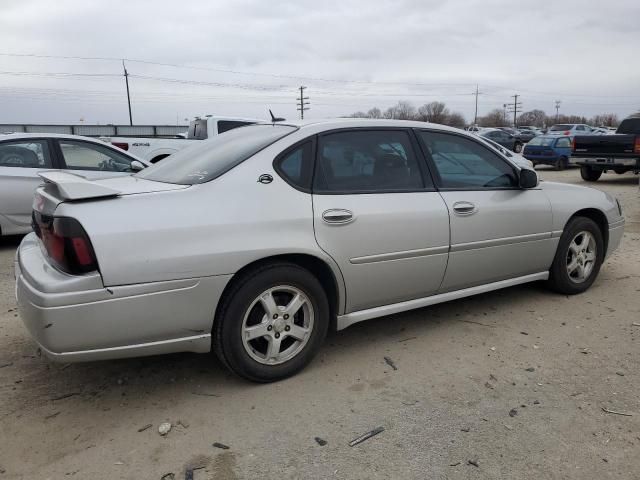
(554, 362)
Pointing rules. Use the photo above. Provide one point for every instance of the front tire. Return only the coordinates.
(578, 258)
(590, 174)
(271, 323)
(561, 163)
(517, 147)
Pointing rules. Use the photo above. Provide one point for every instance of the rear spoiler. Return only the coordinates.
(75, 187)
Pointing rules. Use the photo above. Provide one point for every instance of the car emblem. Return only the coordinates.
(265, 178)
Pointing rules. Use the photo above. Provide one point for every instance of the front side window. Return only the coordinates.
(360, 161)
(22, 154)
(89, 156)
(465, 164)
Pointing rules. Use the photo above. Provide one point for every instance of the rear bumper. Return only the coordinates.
(608, 162)
(75, 318)
(616, 230)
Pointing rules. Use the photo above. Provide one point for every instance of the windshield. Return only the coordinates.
(541, 141)
(561, 127)
(630, 126)
(208, 159)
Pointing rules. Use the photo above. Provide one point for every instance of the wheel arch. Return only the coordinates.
(330, 280)
(599, 218)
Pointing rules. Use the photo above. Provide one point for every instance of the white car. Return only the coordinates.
(24, 155)
(155, 149)
(570, 129)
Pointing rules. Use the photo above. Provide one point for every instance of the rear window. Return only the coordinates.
(561, 127)
(630, 126)
(541, 141)
(209, 159)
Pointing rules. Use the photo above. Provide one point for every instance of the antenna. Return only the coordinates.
(275, 119)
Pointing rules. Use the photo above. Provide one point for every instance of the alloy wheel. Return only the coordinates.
(581, 256)
(277, 325)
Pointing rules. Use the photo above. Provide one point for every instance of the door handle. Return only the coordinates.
(464, 208)
(337, 215)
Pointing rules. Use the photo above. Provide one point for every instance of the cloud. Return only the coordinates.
(581, 52)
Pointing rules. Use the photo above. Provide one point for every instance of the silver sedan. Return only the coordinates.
(254, 244)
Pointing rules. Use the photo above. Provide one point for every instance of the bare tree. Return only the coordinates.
(358, 115)
(374, 113)
(456, 119)
(401, 111)
(605, 119)
(495, 118)
(434, 112)
(534, 117)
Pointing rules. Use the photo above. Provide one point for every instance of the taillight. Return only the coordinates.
(573, 144)
(636, 145)
(121, 145)
(568, 132)
(66, 243)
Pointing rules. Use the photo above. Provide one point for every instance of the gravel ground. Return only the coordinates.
(514, 381)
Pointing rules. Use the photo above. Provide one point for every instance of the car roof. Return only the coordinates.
(329, 124)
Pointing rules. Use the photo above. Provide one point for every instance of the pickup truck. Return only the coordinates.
(618, 152)
(155, 149)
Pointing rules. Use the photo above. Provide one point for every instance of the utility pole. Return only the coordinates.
(515, 106)
(302, 102)
(126, 79)
(558, 102)
(504, 114)
(475, 116)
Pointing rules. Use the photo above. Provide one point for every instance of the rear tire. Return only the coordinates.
(590, 174)
(620, 170)
(578, 258)
(255, 335)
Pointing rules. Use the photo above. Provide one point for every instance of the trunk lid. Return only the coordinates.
(62, 186)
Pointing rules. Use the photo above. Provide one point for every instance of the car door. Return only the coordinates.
(498, 230)
(20, 162)
(92, 160)
(563, 147)
(376, 212)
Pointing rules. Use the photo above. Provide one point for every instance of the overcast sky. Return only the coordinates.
(352, 55)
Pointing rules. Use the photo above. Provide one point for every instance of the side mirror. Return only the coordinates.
(136, 166)
(528, 178)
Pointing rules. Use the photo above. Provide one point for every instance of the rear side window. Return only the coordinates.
(21, 154)
(296, 166)
(465, 164)
(563, 142)
(226, 125)
(361, 161)
(209, 159)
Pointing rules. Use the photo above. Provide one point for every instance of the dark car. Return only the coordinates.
(512, 142)
(524, 135)
(548, 150)
(620, 153)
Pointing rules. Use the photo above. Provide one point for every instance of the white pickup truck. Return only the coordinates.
(155, 149)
